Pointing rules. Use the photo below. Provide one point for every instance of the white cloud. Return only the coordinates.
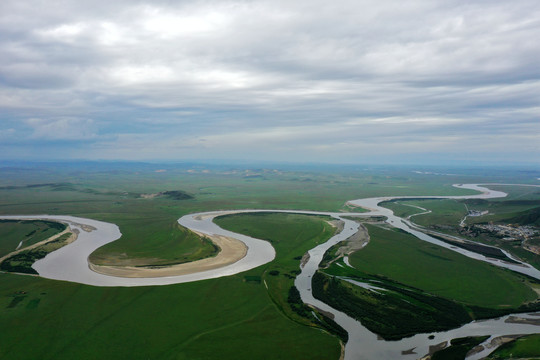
(64, 32)
(305, 74)
(132, 74)
(166, 24)
(110, 34)
(61, 129)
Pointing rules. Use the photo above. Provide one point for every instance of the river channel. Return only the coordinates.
(362, 343)
(70, 263)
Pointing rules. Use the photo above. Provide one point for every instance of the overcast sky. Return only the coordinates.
(320, 81)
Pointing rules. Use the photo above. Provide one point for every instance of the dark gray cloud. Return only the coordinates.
(302, 80)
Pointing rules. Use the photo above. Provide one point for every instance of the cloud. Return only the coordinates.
(61, 129)
(304, 74)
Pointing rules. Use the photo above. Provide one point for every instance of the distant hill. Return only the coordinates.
(177, 195)
(529, 217)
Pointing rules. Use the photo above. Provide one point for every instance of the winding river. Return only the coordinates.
(70, 263)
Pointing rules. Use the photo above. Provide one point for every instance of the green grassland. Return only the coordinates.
(401, 208)
(509, 212)
(422, 287)
(516, 212)
(458, 348)
(226, 318)
(12, 232)
(292, 235)
(212, 189)
(443, 212)
(393, 313)
(523, 254)
(431, 268)
(22, 261)
(520, 207)
(518, 192)
(167, 243)
(149, 225)
(449, 212)
(526, 347)
(233, 317)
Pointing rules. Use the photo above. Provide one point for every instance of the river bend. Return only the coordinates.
(70, 263)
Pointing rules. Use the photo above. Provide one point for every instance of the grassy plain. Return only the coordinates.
(113, 193)
(225, 318)
(13, 232)
(443, 212)
(167, 243)
(232, 317)
(520, 207)
(21, 262)
(392, 311)
(402, 208)
(450, 212)
(526, 347)
(420, 287)
(292, 235)
(439, 271)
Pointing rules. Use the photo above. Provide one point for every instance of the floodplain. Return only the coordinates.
(249, 315)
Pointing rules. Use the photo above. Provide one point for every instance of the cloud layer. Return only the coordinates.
(347, 81)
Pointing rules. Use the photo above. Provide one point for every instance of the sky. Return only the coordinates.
(298, 81)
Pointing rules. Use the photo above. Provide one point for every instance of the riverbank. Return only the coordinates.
(62, 266)
(231, 251)
(74, 234)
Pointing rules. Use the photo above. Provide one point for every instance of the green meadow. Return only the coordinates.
(163, 242)
(249, 315)
(443, 212)
(149, 225)
(13, 232)
(522, 348)
(226, 318)
(520, 207)
(449, 212)
(292, 235)
(22, 261)
(229, 318)
(422, 287)
(408, 260)
(235, 317)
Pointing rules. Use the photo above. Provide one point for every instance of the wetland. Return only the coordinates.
(277, 280)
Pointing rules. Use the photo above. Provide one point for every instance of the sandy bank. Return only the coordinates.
(231, 250)
(355, 242)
